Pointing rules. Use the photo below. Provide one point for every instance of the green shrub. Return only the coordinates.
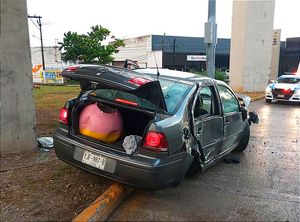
(219, 75)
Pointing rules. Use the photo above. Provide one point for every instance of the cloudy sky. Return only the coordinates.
(131, 18)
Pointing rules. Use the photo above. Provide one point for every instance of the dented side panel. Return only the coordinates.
(177, 127)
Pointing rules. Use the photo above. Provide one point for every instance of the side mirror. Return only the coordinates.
(253, 117)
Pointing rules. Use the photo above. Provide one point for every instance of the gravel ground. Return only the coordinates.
(37, 186)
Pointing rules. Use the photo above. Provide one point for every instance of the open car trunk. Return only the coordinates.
(137, 98)
(135, 122)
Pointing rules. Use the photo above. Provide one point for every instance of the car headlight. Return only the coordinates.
(297, 90)
(268, 89)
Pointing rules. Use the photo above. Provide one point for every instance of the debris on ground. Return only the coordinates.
(45, 143)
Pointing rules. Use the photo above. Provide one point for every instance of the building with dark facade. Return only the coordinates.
(187, 53)
(176, 49)
(289, 56)
(173, 52)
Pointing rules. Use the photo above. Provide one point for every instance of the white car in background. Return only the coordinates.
(285, 88)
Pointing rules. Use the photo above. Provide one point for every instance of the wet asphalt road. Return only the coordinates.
(265, 185)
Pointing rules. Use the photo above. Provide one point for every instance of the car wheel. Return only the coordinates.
(268, 100)
(244, 140)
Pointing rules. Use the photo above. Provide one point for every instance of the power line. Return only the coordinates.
(34, 23)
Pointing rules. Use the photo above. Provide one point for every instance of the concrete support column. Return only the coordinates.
(251, 44)
(17, 126)
(275, 54)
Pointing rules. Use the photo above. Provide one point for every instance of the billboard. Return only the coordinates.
(37, 73)
(51, 75)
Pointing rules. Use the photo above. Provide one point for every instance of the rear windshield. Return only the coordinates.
(288, 80)
(174, 93)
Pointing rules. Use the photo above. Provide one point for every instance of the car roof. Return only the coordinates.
(187, 77)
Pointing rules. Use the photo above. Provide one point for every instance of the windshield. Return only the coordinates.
(288, 80)
(174, 93)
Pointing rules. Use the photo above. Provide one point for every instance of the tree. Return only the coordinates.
(88, 48)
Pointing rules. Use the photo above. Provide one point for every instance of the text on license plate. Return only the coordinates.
(94, 160)
(280, 96)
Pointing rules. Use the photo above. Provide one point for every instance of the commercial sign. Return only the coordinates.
(51, 75)
(276, 36)
(200, 58)
(37, 74)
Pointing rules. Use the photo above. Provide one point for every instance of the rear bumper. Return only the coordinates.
(137, 170)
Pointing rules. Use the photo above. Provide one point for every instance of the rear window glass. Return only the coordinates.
(288, 80)
(173, 92)
(114, 95)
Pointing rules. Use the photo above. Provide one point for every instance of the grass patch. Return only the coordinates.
(48, 101)
(54, 97)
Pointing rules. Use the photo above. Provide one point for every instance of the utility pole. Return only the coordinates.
(210, 38)
(41, 37)
(162, 50)
(174, 44)
(55, 49)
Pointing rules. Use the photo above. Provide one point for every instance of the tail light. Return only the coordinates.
(63, 115)
(156, 141)
(138, 81)
(72, 68)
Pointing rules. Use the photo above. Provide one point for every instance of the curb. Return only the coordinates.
(106, 204)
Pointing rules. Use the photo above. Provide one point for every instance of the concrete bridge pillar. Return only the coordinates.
(251, 44)
(17, 126)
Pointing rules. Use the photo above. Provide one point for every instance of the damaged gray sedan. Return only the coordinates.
(149, 128)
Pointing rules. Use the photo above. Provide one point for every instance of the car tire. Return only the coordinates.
(244, 140)
(268, 100)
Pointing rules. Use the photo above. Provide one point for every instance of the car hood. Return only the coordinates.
(285, 86)
(117, 78)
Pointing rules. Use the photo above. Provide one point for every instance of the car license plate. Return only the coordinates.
(280, 96)
(94, 160)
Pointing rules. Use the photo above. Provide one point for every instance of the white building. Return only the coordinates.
(53, 65)
(139, 49)
(52, 57)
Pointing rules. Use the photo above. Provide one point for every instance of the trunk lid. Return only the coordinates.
(118, 78)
